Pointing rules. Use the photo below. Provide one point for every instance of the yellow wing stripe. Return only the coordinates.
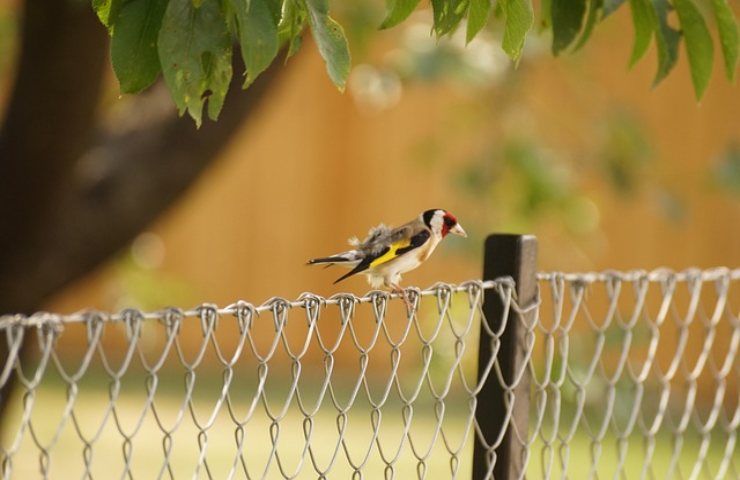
(391, 253)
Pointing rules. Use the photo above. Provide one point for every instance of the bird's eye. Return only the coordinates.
(449, 222)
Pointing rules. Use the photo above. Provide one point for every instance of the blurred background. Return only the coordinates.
(580, 151)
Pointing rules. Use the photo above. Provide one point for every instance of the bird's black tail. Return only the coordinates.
(330, 260)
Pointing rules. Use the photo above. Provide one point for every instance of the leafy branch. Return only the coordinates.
(190, 41)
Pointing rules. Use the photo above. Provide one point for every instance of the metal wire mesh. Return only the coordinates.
(632, 375)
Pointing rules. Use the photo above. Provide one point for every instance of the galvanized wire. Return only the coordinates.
(632, 374)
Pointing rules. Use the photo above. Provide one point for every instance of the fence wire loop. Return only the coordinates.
(630, 374)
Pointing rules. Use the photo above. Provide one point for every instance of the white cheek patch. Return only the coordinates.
(437, 222)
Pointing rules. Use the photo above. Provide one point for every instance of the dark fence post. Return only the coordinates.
(514, 256)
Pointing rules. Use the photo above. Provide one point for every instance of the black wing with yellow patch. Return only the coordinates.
(364, 264)
(416, 241)
(386, 254)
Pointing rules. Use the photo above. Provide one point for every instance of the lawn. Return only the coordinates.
(145, 449)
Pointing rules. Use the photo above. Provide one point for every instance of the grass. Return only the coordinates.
(145, 446)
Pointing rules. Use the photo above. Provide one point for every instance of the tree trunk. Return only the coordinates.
(73, 192)
(48, 123)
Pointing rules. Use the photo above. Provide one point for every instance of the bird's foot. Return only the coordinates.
(404, 296)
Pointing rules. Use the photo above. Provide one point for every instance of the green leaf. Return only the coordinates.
(728, 35)
(397, 12)
(329, 36)
(258, 36)
(611, 6)
(133, 47)
(291, 25)
(595, 9)
(643, 20)
(295, 45)
(107, 11)
(698, 44)
(195, 53)
(567, 19)
(666, 38)
(447, 15)
(477, 17)
(518, 18)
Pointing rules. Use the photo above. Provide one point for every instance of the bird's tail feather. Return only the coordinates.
(335, 259)
(346, 257)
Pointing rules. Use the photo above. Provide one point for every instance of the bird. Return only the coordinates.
(387, 253)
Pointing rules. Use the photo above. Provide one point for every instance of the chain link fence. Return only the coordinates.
(628, 375)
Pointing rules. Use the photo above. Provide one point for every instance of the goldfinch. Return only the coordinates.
(387, 253)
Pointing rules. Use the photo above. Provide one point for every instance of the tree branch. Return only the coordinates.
(124, 182)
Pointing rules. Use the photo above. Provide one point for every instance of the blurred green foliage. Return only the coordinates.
(625, 153)
(139, 281)
(525, 183)
(726, 170)
(524, 180)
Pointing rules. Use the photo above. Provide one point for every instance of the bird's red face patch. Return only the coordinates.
(449, 222)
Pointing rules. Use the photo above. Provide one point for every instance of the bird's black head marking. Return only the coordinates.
(428, 215)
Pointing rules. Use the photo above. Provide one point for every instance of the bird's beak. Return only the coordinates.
(458, 230)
